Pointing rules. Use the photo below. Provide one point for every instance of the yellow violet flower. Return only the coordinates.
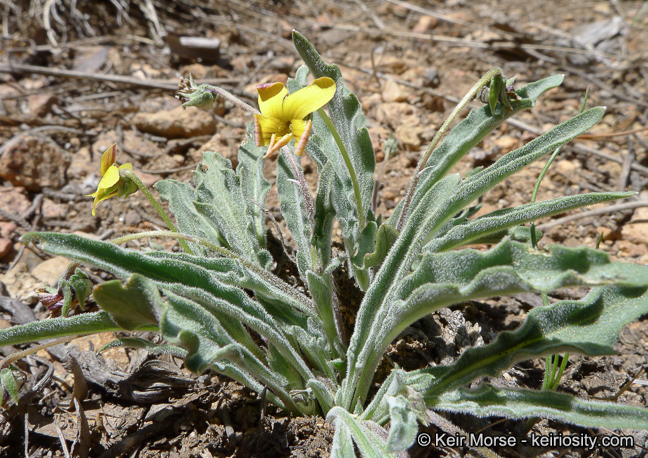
(112, 184)
(283, 116)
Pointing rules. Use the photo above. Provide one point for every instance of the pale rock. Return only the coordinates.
(409, 136)
(390, 64)
(425, 23)
(81, 165)
(40, 104)
(5, 247)
(396, 113)
(177, 123)
(506, 143)
(53, 210)
(132, 218)
(149, 179)
(7, 229)
(88, 235)
(608, 234)
(393, 92)
(35, 164)
(566, 167)
(49, 271)
(197, 71)
(13, 200)
(21, 284)
(636, 230)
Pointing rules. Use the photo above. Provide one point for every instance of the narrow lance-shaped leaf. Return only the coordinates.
(468, 133)
(479, 183)
(294, 210)
(589, 326)
(346, 114)
(182, 198)
(254, 185)
(166, 268)
(471, 230)
(87, 323)
(510, 403)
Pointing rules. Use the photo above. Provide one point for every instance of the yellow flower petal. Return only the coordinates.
(110, 178)
(108, 158)
(297, 127)
(127, 166)
(300, 104)
(271, 97)
(102, 195)
(268, 126)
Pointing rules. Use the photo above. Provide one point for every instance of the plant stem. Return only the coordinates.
(142, 187)
(232, 98)
(347, 161)
(482, 83)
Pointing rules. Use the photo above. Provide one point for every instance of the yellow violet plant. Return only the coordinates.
(237, 300)
(112, 183)
(283, 116)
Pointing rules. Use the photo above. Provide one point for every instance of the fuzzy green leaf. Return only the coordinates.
(487, 401)
(472, 230)
(182, 199)
(468, 133)
(86, 323)
(294, 210)
(370, 444)
(131, 306)
(135, 342)
(254, 185)
(8, 383)
(346, 113)
(589, 326)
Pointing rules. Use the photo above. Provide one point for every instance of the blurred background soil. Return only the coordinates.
(77, 76)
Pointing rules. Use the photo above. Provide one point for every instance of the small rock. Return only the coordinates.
(81, 165)
(13, 200)
(433, 102)
(566, 167)
(7, 230)
(506, 143)
(132, 218)
(53, 210)
(636, 230)
(396, 113)
(49, 271)
(388, 195)
(392, 64)
(197, 71)
(607, 233)
(40, 104)
(408, 136)
(35, 164)
(425, 23)
(179, 122)
(5, 247)
(393, 92)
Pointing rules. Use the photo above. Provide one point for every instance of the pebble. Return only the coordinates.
(176, 123)
(35, 164)
(14, 200)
